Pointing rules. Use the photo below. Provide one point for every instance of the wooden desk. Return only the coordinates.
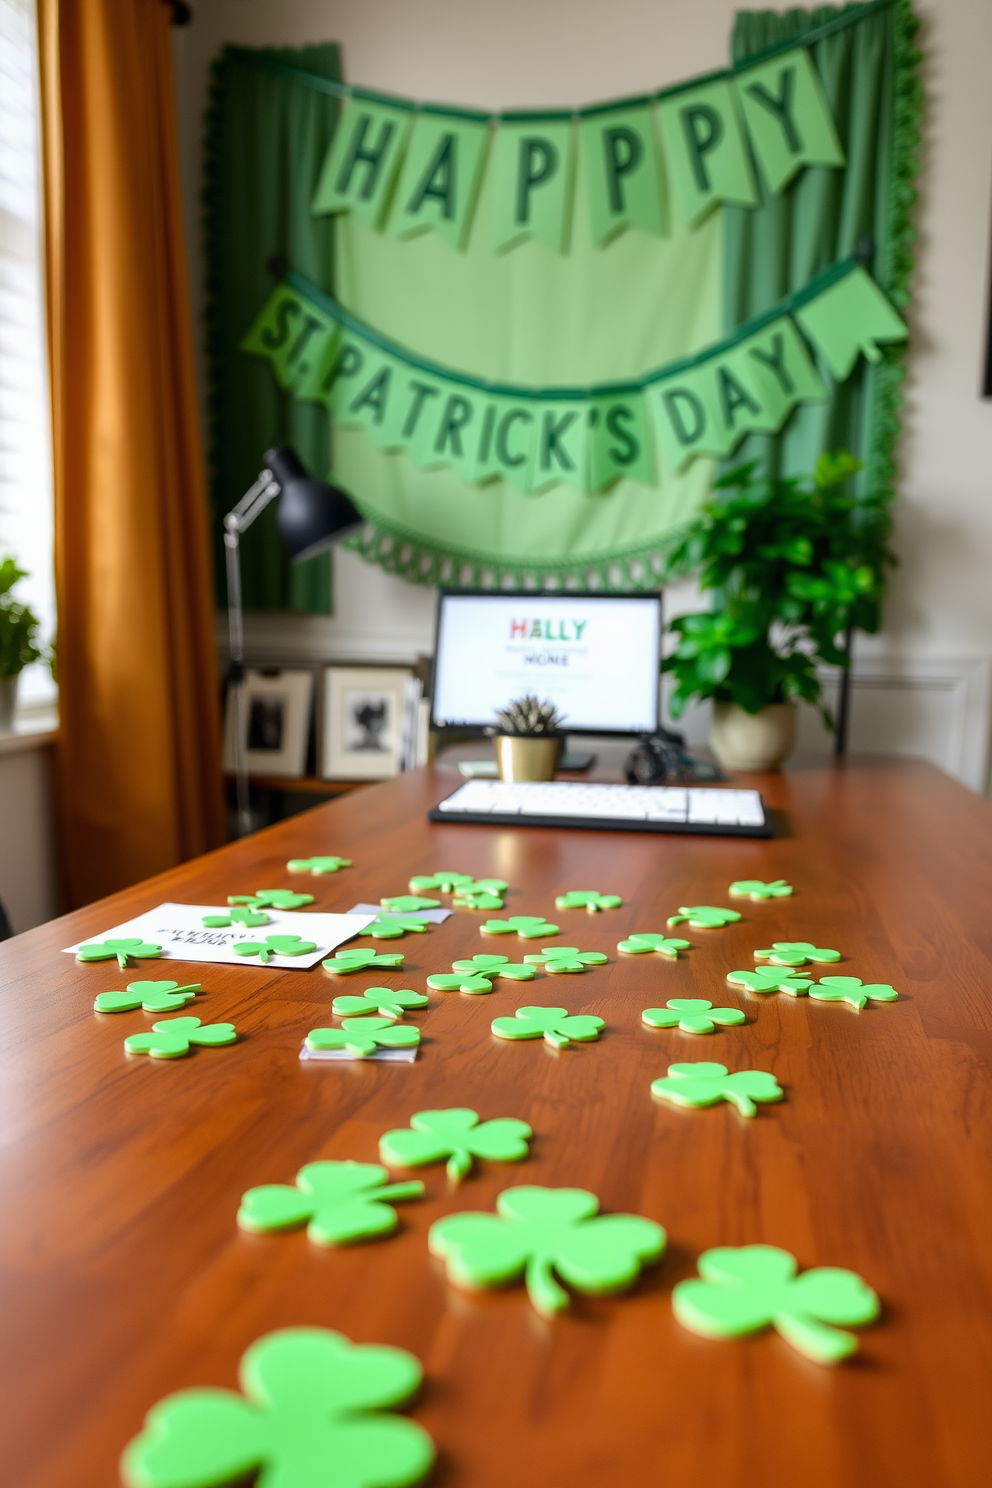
(124, 1277)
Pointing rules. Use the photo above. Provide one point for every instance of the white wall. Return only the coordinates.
(923, 685)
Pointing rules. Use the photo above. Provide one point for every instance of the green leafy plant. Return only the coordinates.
(852, 990)
(343, 963)
(458, 1135)
(644, 941)
(754, 888)
(275, 945)
(528, 927)
(539, 1231)
(317, 866)
(383, 1000)
(756, 1286)
(153, 997)
(19, 625)
(361, 1037)
(588, 899)
(565, 960)
(704, 917)
(120, 948)
(310, 1415)
(705, 1084)
(554, 1024)
(795, 953)
(791, 564)
(338, 1202)
(691, 1015)
(174, 1037)
(771, 979)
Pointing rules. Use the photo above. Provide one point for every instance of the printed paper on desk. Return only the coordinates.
(180, 931)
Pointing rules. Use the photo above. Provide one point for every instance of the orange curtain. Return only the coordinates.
(139, 754)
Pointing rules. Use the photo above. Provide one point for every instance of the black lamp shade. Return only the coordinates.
(312, 515)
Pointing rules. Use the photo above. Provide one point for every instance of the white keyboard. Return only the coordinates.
(631, 808)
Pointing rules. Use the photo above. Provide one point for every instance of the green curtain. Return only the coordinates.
(266, 139)
(869, 71)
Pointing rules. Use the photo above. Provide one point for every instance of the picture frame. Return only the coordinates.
(278, 706)
(364, 722)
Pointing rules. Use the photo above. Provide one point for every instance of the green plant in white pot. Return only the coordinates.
(19, 628)
(792, 566)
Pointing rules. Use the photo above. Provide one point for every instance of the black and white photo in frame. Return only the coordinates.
(365, 710)
(275, 721)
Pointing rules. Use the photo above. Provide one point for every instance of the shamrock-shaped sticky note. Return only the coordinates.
(275, 945)
(795, 953)
(644, 941)
(174, 1037)
(154, 997)
(475, 975)
(703, 916)
(317, 866)
(383, 1000)
(445, 883)
(528, 927)
(565, 960)
(588, 899)
(345, 962)
(852, 990)
(409, 903)
(539, 1231)
(756, 1286)
(272, 899)
(457, 1135)
(237, 915)
(754, 888)
(392, 927)
(770, 979)
(337, 1201)
(475, 897)
(704, 1084)
(119, 949)
(555, 1025)
(692, 1015)
(312, 1415)
(360, 1037)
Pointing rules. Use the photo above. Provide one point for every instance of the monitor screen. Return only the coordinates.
(595, 656)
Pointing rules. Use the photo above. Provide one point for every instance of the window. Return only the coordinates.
(25, 420)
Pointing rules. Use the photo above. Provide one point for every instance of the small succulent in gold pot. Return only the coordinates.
(527, 739)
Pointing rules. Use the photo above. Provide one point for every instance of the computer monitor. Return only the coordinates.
(597, 657)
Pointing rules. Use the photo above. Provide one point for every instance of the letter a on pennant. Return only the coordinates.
(440, 178)
(622, 173)
(705, 151)
(532, 186)
(361, 164)
(787, 117)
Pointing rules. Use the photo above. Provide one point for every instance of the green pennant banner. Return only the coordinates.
(440, 178)
(787, 117)
(705, 151)
(532, 184)
(621, 167)
(587, 438)
(361, 164)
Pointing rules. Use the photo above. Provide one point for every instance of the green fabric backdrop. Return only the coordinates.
(266, 140)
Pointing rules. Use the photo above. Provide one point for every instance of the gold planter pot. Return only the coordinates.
(522, 758)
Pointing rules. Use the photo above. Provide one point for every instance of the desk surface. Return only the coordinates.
(124, 1278)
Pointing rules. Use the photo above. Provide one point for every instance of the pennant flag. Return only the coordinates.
(686, 417)
(360, 168)
(457, 431)
(777, 367)
(622, 170)
(440, 178)
(851, 316)
(291, 333)
(705, 150)
(618, 440)
(787, 117)
(532, 185)
(559, 451)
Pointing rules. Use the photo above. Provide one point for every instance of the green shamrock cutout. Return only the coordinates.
(275, 945)
(769, 979)
(704, 1084)
(476, 974)
(173, 1037)
(240, 915)
(384, 1000)
(476, 898)
(342, 963)
(692, 1015)
(538, 1231)
(588, 899)
(337, 1201)
(360, 1037)
(154, 997)
(645, 941)
(704, 916)
(795, 953)
(555, 1025)
(852, 990)
(756, 1286)
(565, 960)
(447, 883)
(310, 1414)
(120, 948)
(528, 927)
(409, 904)
(317, 866)
(754, 888)
(272, 899)
(457, 1135)
(392, 927)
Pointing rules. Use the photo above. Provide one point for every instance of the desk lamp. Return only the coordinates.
(311, 517)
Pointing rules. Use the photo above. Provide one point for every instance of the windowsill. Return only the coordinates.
(34, 728)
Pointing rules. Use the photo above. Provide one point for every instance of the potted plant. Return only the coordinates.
(793, 565)
(528, 739)
(18, 632)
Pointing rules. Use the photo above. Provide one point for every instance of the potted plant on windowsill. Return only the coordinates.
(794, 566)
(18, 634)
(528, 739)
